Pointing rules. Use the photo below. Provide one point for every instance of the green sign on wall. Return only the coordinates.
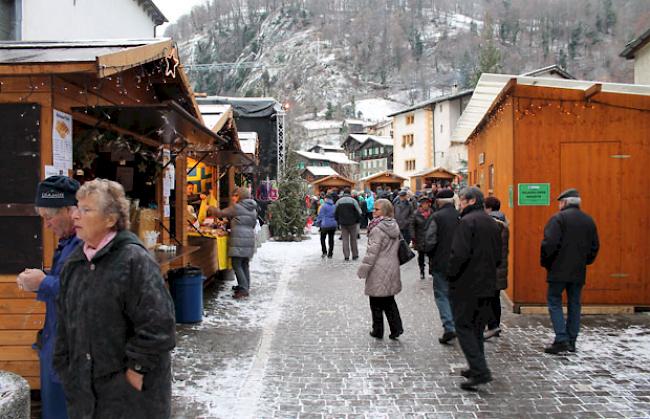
(534, 194)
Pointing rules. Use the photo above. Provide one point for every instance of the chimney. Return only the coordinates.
(454, 88)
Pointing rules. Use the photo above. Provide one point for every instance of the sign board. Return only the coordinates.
(62, 141)
(534, 194)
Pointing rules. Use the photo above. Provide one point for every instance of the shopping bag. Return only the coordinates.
(404, 252)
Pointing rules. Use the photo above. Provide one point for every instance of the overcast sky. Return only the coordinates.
(173, 9)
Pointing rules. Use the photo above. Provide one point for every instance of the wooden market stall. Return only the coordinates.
(427, 177)
(121, 110)
(529, 139)
(386, 179)
(327, 183)
(214, 175)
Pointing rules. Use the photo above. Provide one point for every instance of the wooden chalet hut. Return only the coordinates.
(427, 177)
(531, 138)
(337, 182)
(386, 179)
(121, 110)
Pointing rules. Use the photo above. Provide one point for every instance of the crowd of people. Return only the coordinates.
(105, 348)
(464, 238)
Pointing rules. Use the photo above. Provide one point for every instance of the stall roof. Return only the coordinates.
(333, 177)
(380, 174)
(321, 170)
(425, 172)
(246, 107)
(162, 122)
(248, 142)
(215, 116)
(492, 87)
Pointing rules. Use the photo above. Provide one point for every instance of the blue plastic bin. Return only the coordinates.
(186, 288)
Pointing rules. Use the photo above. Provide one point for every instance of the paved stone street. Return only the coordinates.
(299, 348)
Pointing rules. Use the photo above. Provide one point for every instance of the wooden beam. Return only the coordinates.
(118, 62)
(47, 69)
(91, 120)
(593, 90)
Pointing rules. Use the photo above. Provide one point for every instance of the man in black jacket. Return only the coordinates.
(475, 255)
(439, 235)
(348, 214)
(570, 244)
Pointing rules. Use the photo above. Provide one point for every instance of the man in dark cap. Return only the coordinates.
(55, 203)
(439, 235)
(472, 271)
(570, 244)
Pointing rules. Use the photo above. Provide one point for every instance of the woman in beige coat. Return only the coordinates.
(380, 269)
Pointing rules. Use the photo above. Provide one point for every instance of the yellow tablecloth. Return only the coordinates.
(223, 261)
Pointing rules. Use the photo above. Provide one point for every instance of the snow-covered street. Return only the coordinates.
(299, 347)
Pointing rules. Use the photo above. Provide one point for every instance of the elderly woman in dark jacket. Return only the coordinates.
(381, 270)
(241, 242)
(115, 317)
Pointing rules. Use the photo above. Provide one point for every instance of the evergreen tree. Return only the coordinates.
(489, 60)
(288, 215)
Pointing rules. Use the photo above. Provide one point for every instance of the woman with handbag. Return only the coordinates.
(381, 270)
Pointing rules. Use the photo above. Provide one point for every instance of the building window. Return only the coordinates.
(381, 150)
(410, 119)
(409, 165)
(301, 165)
(441, 128)
(440, 107)
(407, 140)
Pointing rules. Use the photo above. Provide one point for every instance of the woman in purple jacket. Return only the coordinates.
(327, 223)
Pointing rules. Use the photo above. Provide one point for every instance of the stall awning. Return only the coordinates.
(162, 122)
(223, 158)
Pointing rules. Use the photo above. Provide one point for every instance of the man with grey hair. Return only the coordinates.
(471, 272)
(570, 244)
(55, 203)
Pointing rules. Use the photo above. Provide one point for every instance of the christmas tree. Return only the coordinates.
(288, 215)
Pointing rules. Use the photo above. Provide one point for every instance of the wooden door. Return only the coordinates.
(590, 168)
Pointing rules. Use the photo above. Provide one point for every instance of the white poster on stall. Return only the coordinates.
(167, 185)
(166, 211)
(52, 171)
(62, 141)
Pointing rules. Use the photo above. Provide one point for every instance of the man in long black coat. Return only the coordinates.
(471, 272)
(570, 244)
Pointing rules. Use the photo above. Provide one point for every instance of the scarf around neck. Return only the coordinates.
(374, 222)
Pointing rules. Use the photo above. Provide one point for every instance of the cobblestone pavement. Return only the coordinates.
(299, 348)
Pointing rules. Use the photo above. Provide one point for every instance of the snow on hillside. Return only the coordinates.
(376, 109)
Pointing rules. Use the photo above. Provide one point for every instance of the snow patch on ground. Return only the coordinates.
(376, 109)
(224, 393)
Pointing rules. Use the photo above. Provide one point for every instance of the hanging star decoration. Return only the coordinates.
(142, 167)
(171, 63)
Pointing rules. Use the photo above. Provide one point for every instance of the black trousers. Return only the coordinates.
(422, 256)
(329, 233)
(495, 305)
(381, 305)
(471, 315)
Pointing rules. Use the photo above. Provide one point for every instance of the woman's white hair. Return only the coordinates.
(111, 197)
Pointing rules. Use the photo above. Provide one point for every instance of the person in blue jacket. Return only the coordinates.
(55, 203)
(327, 223)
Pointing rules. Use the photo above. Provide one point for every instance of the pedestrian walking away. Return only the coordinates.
(404, 214)
(492, 207)
(363, 222)
(116, 326)
(55, 203)
(570, 244)
(439, 236)
(348, 214)
(241, 242)
(381, 270)
(475, 255)
(421, 220)
(326, 221)
(370, 204)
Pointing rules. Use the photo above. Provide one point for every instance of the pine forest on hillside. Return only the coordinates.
(322, 54)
